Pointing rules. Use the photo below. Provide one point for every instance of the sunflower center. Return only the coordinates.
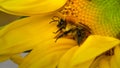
(71, 8)
(74, 8)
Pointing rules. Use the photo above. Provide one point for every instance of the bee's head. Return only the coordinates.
(61, 23)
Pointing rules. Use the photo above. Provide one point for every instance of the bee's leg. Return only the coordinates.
(63, 34)
(55, 19)
(58, 30)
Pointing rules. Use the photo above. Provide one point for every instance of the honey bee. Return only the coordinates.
(69, 26)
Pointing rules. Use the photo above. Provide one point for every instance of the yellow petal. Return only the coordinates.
(3, 58)
(84, 64)
(30, 7)
(113, 62)
(92, 47)
(65, 60)
(116, 57)
(1, 0)
(104, 63)
(47, 57)
(26, 33)
(17, 59)
(98, 62)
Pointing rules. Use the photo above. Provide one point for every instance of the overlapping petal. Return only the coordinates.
(26, 33)
(17, 59)
(48, 55)
(36, 33)
(30, 7)
(84, 56)
(93, 47)
(65, 60)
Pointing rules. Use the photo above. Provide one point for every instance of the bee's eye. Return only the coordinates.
(61, 22)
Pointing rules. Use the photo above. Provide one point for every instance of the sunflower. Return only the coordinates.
(62, 33)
